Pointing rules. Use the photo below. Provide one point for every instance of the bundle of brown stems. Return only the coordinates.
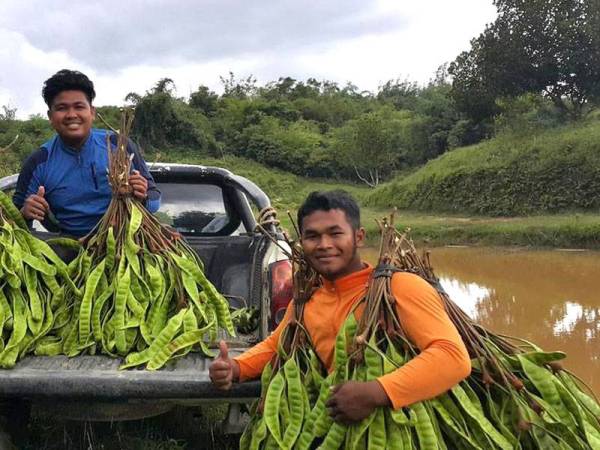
(154, 236)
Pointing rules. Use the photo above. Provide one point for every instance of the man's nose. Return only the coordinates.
(70, 112)
(325, 241)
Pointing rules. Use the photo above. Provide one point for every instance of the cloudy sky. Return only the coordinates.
(127, 45)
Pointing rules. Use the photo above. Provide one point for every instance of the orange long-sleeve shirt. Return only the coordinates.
(442, 362)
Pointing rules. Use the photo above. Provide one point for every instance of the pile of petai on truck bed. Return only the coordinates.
(135, 289)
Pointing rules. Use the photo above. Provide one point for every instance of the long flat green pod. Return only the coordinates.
(259, 435)
(474, 412)
(460, 433)
(543, 381)
(97, 308)
(135, 221)
(5, 310)
(73, 244)
(426, 434)
(295, 390)
(122, 293)
(377, 436)
(35, 303)
(334, 437)
(11, 210)
(38, 264)
(271, 411)
(155, 279)
(183, 341)
(10, 353)
(166, 335)
(85, 309)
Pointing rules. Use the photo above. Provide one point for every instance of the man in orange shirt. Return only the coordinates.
(331, 235)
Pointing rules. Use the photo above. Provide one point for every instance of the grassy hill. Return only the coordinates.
(521, 173)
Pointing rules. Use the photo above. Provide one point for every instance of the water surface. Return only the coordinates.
(551, 297)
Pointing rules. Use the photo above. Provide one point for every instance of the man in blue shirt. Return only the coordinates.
(64, 183)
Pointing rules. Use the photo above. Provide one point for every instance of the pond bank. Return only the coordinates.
(574, 231)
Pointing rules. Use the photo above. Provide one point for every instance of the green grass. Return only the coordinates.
(181, 429)
(516, 173)
(559, 231)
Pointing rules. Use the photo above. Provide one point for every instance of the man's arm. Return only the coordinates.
(224, 371)
(29, 193)
(443, 360)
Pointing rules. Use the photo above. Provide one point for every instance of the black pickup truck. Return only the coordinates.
(215, 210)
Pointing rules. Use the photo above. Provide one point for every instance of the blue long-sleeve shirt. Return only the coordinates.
(76, 181)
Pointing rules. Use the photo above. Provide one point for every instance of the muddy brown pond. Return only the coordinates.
(551, 298)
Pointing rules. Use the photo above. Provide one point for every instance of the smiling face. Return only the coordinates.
(72, 115)
(330, 243)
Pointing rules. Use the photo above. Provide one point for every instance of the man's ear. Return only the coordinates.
(360, 236)
(93, 109)
(48, 113)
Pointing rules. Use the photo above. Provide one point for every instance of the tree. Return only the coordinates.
(541, 46)
(133, 97)
(376, 143)
(163, 120)
(242, 88)
(8, 113)
(204, 99)
(164, 86)
(400, 93)
(287, 146)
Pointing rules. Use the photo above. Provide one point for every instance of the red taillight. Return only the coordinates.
(281, 290)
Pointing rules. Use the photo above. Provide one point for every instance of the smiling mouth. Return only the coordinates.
(327, 258)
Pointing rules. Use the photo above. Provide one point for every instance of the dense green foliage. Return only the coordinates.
(540, 46)
(29, 135)
(287, 191)
(312, 128)
(513, 174)
(308, 128)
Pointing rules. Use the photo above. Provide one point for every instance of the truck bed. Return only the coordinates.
(99, 377)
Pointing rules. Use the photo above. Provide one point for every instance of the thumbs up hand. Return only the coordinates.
(223, 371)
(36, 206)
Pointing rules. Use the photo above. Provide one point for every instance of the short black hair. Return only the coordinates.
(328, 200)
(67, 80)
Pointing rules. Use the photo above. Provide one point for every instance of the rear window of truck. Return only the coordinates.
(198, 209)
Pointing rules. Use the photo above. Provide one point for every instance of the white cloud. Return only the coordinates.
(129, 46)
(24, 70)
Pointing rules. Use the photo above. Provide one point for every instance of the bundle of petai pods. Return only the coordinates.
(517, 396)
(143, 292)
